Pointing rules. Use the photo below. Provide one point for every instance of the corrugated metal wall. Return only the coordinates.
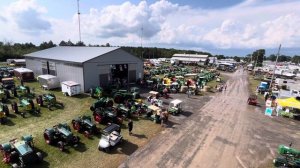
(35, 66)
(64, 71)
(101, 65)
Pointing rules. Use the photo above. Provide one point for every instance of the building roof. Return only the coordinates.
(190, 55)
(71, 53)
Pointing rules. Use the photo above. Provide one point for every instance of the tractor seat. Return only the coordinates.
(113, 136)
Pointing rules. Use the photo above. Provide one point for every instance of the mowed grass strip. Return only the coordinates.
(86, 154)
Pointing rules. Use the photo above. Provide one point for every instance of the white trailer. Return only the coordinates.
(48, 81)
(70, 88)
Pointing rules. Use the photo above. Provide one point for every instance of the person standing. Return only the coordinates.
(130, 126)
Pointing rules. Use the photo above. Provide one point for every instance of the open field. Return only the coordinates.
(74, 106)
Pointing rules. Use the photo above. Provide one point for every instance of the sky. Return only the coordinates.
(228, 27)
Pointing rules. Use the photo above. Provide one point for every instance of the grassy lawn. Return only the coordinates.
(86, 154)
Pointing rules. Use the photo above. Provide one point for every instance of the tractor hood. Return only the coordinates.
(89, 123)
(65, 131)
(23, 148)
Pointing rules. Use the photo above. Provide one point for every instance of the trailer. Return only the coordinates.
(24, 74)
(70, 88)
(48, 81)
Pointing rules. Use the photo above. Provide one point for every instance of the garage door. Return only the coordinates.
(132, 76)
(103, 80)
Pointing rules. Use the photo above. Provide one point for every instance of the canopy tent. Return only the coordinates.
(289, 102)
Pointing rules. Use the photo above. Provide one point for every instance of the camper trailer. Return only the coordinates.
(24, 74)
(48, 81)
(70, 88)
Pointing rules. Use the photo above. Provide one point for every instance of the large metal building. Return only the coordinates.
(88, 66)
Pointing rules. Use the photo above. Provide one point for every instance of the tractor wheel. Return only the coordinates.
(14, 92)
(40, 156)
(7, 94)
(110, 103)
(76, 139)
(48, 136)
(27, 89)
(6, 110)
(14, 107)
(76, 125)
(31, 103)
(92, 108)
(97, 118)
(39, 100)
(60, 145)
(15, 165)
(13, 157)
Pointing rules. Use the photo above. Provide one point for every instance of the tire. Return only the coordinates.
(61, 145)
(76, 125)
(14, 92)
(7, 94)
(27, 89)
(6, 110)
(31, 103)
(40, 156)
(76, 139)
(48, 136)
(39, 100)
(14, 107)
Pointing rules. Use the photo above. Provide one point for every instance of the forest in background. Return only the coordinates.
(9, 50)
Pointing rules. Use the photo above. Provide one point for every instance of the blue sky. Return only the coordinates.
(229, 27)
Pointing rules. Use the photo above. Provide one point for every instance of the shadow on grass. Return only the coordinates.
(170, 124)
(9, 123)
(43, 164)
(81, 96)
(12, 115)
(127, 148)
(140, 136)
(81, 147)
(186, 113)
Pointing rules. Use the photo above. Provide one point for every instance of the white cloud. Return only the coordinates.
(252, 24)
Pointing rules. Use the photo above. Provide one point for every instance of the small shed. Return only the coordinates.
(70, 88)
(24, 74)
(49, 81)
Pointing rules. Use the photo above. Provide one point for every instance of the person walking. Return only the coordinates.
(130, 126)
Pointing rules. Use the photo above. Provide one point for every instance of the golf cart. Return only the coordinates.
(20, 153)
(153, 113)
(175, 107)
(252, 100)
(110, 137)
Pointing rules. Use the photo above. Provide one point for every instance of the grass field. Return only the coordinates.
(86, 154)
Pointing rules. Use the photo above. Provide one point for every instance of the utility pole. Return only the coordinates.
(78, 13)
(275, 66)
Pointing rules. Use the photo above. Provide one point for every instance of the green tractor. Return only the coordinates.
(20, 153)
(288, 157)
(48, 99)
(120, 96)
(4, 95)
(26, 105)
(102, 103)
(97, 92)
(22, 91)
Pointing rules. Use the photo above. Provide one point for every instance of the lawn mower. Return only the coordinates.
(97, 92)
(110, 137)
(60, 135)
(84, 125)
(107, 115)
(103, 102)
(288, 157)
(4, 95)
(26, 105)
(175, 107)
(50, 99)
(20, 153)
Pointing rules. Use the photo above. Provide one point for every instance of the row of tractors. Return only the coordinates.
(26, 104)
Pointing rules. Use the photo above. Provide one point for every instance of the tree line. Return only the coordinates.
(10, 50)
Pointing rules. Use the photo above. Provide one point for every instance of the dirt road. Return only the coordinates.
(225, 132)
